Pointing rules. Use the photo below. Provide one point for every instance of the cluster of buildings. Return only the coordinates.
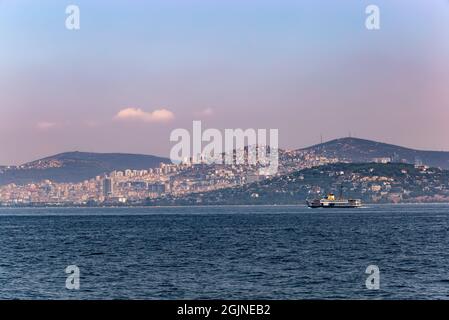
(421, 183)
(174, 180)
(131, 186)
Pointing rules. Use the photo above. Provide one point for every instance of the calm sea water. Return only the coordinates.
(285, 252)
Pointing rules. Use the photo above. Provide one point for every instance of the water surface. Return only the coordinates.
(244, 252)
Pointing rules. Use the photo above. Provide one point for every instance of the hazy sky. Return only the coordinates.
(136, 70)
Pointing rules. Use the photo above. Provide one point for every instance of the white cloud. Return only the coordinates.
(44, 125)
(205, 112)
(160, 115)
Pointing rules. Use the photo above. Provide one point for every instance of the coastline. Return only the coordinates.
(366, 205)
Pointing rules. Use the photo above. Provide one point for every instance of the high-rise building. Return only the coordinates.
(156, 189)
(108, 187)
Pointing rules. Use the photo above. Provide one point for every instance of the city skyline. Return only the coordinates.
(390, 179)
(132, 74)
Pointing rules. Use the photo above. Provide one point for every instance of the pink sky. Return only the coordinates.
(303, 67)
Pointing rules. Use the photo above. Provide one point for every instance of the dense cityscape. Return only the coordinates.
(133, 186)
(194, 178)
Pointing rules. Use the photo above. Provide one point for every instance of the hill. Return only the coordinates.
(371, 182)
(77, 166)
(360, 150)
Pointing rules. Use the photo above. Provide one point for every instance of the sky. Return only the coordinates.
(136, 70)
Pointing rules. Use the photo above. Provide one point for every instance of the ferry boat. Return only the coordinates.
(332, 202)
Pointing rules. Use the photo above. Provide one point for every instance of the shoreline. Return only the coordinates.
(366, 205)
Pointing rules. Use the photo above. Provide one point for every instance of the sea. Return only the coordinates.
(225, 252)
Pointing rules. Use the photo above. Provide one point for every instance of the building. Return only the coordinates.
(157, 189)
(108, 187)
(383, 160)
(251, 178)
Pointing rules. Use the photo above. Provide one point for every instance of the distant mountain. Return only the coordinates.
(80, 166)
(360, 150)
(77, 166)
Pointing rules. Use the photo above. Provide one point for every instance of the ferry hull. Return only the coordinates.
(334, 205)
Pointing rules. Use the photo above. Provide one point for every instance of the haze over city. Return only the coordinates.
(134, 72)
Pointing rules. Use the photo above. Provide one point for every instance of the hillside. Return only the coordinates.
(77, 166)
(371, 182)
(360, 150)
